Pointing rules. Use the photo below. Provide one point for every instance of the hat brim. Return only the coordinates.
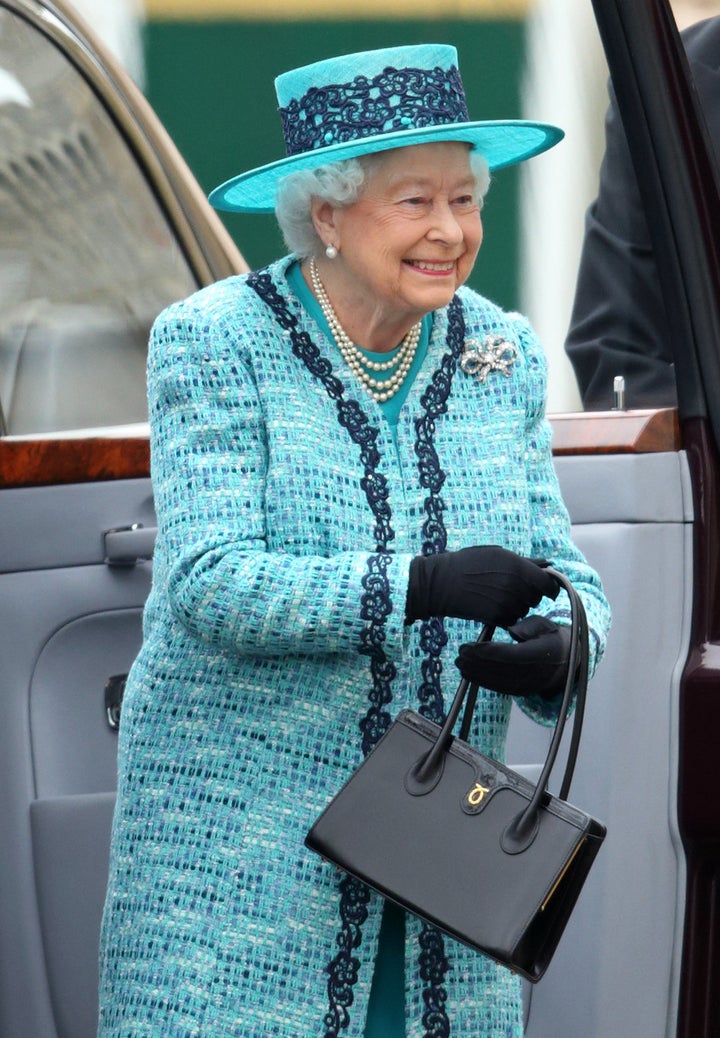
(501, 143)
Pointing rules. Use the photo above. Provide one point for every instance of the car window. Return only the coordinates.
(87, 258)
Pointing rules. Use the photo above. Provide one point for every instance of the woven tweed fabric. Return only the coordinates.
(275, 650)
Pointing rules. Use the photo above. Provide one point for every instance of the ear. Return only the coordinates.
(323, 218)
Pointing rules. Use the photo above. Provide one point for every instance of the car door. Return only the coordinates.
(641, 954)
(680, 188)
(101, 225)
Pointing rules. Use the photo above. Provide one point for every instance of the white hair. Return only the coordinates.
(339, 184)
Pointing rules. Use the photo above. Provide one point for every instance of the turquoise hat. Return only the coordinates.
(373, 101)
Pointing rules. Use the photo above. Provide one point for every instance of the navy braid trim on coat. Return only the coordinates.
(376, 605)
(343, 969)
(433, 968)
(433, 961)
(434, 535)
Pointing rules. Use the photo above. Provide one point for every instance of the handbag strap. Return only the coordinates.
(522, 831)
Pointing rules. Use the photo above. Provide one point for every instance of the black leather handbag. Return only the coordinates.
(462, 841)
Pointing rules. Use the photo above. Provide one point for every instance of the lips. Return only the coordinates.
(432, 267)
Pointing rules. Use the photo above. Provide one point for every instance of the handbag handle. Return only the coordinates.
(521, 831)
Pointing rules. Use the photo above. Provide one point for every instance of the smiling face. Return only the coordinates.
(407, 243)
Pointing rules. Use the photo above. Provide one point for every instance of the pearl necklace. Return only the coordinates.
(379, 389)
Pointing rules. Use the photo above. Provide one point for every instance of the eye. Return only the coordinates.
(465, 201)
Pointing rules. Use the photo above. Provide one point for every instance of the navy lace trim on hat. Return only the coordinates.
(396, 99)
(376, 606)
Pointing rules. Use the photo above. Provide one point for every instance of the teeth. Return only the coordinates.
(432, 266)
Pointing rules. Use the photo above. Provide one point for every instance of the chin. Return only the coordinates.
(439, 298)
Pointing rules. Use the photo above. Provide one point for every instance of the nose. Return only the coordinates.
(445, 225)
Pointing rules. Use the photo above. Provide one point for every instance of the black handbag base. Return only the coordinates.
(439, 854)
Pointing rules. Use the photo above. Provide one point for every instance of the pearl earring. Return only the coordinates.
(331, 252)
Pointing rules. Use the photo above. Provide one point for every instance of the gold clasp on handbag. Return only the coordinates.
(477, 794)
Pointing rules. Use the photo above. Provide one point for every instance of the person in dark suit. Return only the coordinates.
(619, 323)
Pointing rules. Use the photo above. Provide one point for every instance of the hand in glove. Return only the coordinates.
(484, 583)
(534, 664)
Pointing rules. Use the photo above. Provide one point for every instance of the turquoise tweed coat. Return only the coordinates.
(275, 655)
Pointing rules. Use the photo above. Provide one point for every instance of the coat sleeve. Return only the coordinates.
(209, 460)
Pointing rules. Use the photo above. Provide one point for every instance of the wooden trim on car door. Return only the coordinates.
(45, 462)
(29, 462)
(616, 432)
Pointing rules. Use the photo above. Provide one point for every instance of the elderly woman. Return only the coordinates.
(352, 470)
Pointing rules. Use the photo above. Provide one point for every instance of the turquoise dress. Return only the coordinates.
(386, 1009)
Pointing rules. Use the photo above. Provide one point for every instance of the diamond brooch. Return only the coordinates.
(492, 354)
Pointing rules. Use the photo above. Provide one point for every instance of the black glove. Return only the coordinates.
(536, 665)
(486, 583)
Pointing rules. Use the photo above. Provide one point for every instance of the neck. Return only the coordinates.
(367, 325)
(396, 368)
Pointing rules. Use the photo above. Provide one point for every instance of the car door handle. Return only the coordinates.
(127, 545)
(114, 692)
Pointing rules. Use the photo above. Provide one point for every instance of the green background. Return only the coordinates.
(211, 84)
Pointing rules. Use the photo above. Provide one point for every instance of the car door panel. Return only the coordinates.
(617, 968)
(68, 622)
(70, 846)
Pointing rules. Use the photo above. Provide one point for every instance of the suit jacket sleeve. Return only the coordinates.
(618, 323)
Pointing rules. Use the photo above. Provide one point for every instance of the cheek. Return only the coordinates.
(473, 241)
(383, 239)
(476, 236)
